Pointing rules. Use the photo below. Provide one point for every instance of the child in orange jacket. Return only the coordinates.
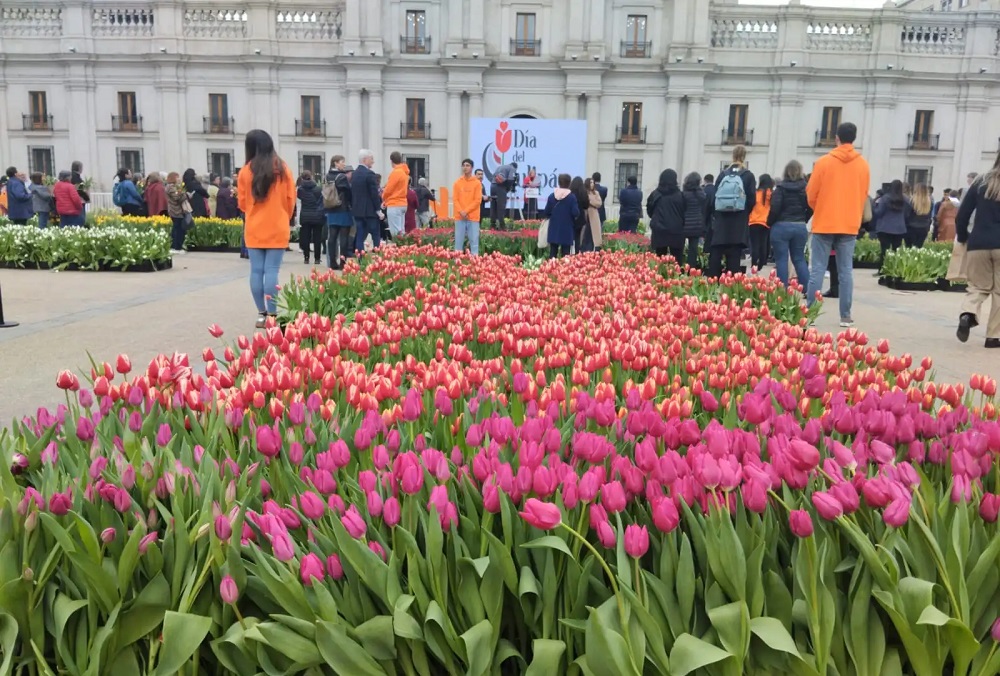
(760, 234)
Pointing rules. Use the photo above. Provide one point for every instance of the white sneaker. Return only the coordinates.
(846, 323)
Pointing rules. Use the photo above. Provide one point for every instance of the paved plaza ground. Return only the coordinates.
(65, 316)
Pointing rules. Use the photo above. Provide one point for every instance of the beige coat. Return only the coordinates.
(594, 218)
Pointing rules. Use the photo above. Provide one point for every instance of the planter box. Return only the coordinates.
(916, 286)
(889, 282)
(214, 249)
(143, 266)
(865, 265)
(954, 287)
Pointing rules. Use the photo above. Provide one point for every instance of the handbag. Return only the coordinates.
(188, 220)
(543, 235)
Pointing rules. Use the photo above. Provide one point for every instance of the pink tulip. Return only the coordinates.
(613, 497)
(377, 548)
(541, 515)
(146, 541)
(636, 541)
(803, 455)
(995, 630)
(60, 503)
(31, 497)
(108, 535)
(282, 547)
(228, 590)
(882, 452)
(606, 535)
(310, 568)
(223, 527)
(391, 511)
(897, 513)
(989, 507)
(163, 435)
(354, 523)
(847, 495)
(268, 441)
(413, 405)
(827, 506)
(708, 401)
(374, 503)
(312, 505)
(333, 567)
(97, 467)
(412, 480)
(800, 523)
(491, 497)
(122, 500)
(754, 494)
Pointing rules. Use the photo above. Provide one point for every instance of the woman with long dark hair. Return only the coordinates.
(760, 233)
(787, 218)
(580, 227)
(695, 208)
(266, 190)
(890, 219)
(197, 195)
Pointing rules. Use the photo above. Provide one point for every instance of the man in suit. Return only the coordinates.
(603, 192)
(504, 180)
(365, 201)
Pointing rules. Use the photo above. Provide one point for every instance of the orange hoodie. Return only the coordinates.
(267, 221)
(467, 196)
(837, 191)
(396, 185)
(761, 208)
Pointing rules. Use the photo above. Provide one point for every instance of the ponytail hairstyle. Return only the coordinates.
(766, 187)
(740, 155)
(265, 165)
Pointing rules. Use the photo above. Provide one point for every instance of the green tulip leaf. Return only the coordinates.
(606, 649)
(732, 623)
(690, 653)
(774, 635)
(342, 653)
(8, 642)
(961, 641)
(549, 542)
(479, 648)
(546, 657)
(377, 636)
(183, 633)
(300, 650)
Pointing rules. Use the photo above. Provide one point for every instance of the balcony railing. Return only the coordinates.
(36, 122)
(310, 128)
(826, 138)
(126, 123)
(630, 49)
(922, 141)
(630, 135)
(737, 137)
(219, 125)
(421, 130)
(525, 47)
(414, 44)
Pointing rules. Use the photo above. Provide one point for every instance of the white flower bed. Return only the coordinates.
(87, 249)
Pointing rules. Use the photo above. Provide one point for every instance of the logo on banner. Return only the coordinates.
(506, 140)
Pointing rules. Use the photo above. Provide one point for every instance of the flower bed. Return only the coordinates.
(208, 234)
(519, 242)
(597, 467)
(912, 269)
(105, 249)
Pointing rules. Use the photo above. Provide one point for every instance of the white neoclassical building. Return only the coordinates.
(170, 84)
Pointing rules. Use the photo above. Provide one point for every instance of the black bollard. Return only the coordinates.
(3, 323)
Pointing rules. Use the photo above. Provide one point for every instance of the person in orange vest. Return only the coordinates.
(760, 240)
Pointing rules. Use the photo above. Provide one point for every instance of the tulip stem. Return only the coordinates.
(989, 658)
(611, 579)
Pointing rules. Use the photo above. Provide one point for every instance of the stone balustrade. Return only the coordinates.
(214, 23)
(746, 33)
(839, 36)
(928, 38)
(30, 21)
(126, 22)
(307, 24)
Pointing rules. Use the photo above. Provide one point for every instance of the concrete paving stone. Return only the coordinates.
(66, 316)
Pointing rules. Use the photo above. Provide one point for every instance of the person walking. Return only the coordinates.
(366, 201)
(69, 204)
(504, 180)
(944, 222)
(312, 218)
(226, 206)
(178, 205)
(982, 255)
(339, 220)
(918, 217)
(266, 193)
(629, 206)
(155, 195)
(760, 236)
(424, 199)
(593, 237)
(394, 194)
(787, 219)
(665, 208)
(19, 203)
(531, 183)
(695, 205)
(836, 192)
(890, 214)
(735, 197)
(126, 196)
(602, 190)
(42, 201)
(466, 195)
(563, 212)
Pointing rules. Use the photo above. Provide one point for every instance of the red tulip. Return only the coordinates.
(541, 515)
(215, 330)
(66, 380)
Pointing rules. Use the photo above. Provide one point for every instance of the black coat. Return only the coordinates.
(339, 179)
(730, 229)
(986, 234)
(630, 203)
(197, 196)
(365, 200)
(226, 204)
(695, 207)
(602, 213)
(666, 218)
(789, 203)
(424, 198)
(311, 196)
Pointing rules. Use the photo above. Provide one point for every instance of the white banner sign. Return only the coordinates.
(550, 147)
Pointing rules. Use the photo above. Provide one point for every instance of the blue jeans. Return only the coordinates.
(790, 238)
(820, 258)
(396, 216)
(470, 228)
(367, 226)
(66, 219)
(264, 265)
(177, 234)
(43, 219)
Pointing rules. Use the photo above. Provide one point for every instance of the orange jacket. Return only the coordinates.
(396, 186)
(268, 221)
(467, 195)
(837, 191)
(761, 208)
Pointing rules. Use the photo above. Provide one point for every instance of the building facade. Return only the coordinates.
(166, 85)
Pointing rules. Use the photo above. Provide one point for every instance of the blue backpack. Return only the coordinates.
(731, 196)
(118, 194)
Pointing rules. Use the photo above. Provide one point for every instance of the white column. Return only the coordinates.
(694, 143)
(671, 133)
(968, 143)
(172, 127)
(4, 138)
(455, 141)
(572, 106)
(877, 152)
(376, 130)
(477, 24)
(353, 128)
(475, 104)
(81, 125)
(593, 128)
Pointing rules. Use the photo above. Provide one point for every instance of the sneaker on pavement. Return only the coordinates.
(846, 322)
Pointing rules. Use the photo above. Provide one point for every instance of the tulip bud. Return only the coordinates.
(108, 535)
(31, 522)
(228, 590)
(28, 575)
